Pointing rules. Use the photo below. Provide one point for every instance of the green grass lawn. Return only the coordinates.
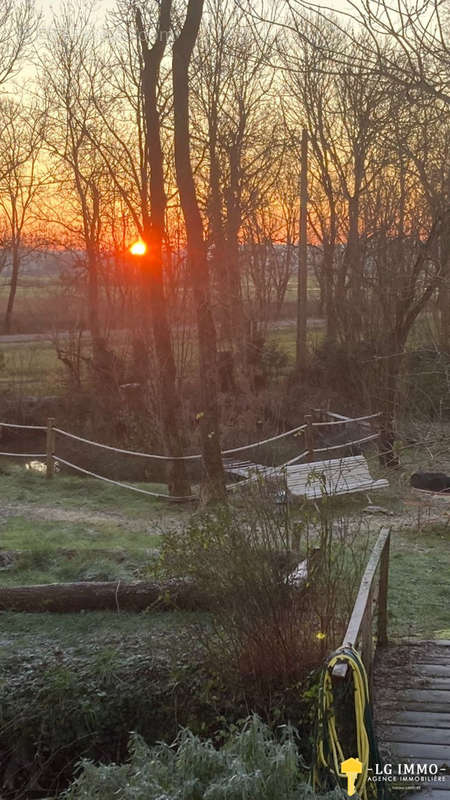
(60, 552)
(74, 529)
(70, 491)
(419, 589)
(41, 535)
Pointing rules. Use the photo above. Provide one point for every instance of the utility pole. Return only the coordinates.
(302, 281)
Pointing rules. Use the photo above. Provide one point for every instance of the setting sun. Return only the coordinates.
(138, 248)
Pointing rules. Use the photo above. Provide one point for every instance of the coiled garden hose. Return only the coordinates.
(329, 754)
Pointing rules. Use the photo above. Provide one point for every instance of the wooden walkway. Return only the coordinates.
(412, 709)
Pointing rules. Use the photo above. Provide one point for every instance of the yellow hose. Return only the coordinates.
(327, 733)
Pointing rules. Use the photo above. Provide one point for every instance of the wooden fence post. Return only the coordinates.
(309, 436)
(50, 448)
(383, 594)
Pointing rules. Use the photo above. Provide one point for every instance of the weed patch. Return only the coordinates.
(74, 688)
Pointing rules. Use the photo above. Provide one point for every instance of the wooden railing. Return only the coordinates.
(372, 592)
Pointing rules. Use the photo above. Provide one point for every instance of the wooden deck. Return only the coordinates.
(412, 708)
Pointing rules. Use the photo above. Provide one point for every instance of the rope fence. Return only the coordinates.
(25, 455)
(345, 421)
(306, 430)
(196, 457)
(24, 427)
(124, 485)
(370, 438)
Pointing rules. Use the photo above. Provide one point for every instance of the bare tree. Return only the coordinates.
(21, 181)
(234, 101)
(426, 144)
(417, 57)
(198, 263)
(72, 60)
(154, 231)
(18, 25)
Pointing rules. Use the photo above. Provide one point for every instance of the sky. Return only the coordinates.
(105, 5)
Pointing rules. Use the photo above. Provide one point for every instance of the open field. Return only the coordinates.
(31, 368)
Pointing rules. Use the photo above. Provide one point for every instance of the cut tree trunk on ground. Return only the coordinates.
(100, 596)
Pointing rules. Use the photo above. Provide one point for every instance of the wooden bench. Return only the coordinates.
(333, 477)
(316, 478)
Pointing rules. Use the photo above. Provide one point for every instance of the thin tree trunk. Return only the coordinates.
(198, 264)
(353, 258)
(217, 229)
(330, 307)
(12, 287)
(170, 404)
(444, 291)
(302, 285)
(233, 268)
(389, 402)
(92, 291)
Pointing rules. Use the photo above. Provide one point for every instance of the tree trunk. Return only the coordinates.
(234, 300)
(103, 359)
(217, 230)
(170, 404)
(208, 415)
(92, 292)
(302, 282)
(12, 287)
(354, 266)
(65, 598)
(388, 387)
(330, 307)
(444, 291)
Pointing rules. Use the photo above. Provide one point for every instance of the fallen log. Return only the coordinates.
(100, 596)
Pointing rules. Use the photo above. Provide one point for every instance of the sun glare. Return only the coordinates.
(138, 248)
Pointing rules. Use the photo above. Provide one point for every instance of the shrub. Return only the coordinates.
(269, 628)
(251, 766)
